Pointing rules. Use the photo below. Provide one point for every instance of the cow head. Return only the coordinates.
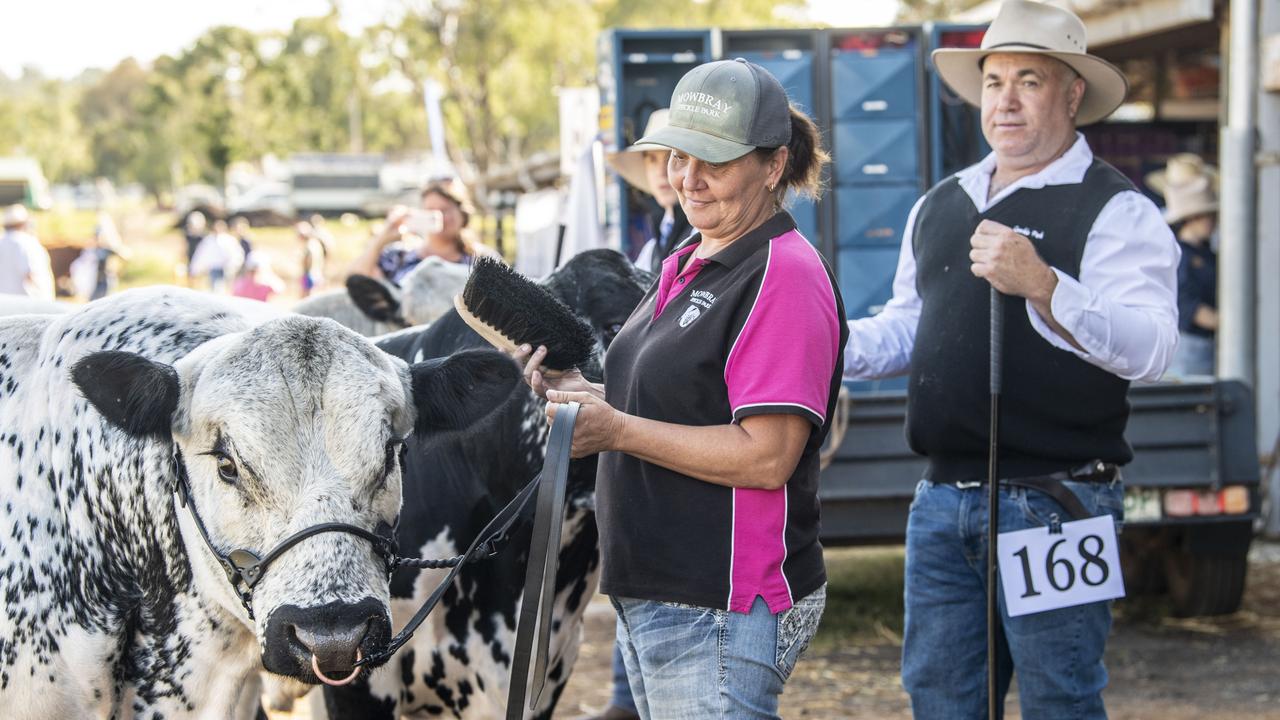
(295, 423)
(424, 294)
(602, 287)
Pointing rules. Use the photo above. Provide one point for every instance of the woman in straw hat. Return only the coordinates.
(1088, 268)
(715, 403)
(644, 167)
(1191, 209)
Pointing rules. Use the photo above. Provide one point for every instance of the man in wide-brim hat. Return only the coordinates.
(1087, 266)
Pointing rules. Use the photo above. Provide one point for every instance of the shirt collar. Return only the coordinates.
(1069, 169)
(742, 248)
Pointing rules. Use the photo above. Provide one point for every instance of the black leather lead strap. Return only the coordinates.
(538, 597)
(479, 549)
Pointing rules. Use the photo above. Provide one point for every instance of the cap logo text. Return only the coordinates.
(701, 103)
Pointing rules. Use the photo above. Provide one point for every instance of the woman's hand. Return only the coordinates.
(393, 228)
(571, 381)
(598, 427)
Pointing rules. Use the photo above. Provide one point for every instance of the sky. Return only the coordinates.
(64, 37)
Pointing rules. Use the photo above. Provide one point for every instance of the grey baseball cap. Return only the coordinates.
(723, 110)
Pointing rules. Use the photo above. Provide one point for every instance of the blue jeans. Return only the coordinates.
(1194, 356)
(1057, 654)
(690, 663)
(621, 697)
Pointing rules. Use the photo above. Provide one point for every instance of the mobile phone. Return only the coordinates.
(424, 222)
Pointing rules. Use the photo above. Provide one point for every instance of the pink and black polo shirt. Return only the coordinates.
(755, 329)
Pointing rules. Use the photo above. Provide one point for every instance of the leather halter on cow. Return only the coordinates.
(245, 568)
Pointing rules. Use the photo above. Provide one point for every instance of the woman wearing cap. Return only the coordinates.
(715, 402)
(404, 242)
(1191, 209)
(644, 167)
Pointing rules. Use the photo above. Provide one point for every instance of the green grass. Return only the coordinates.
(864, 595)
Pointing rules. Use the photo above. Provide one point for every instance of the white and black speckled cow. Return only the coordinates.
(458, 663)
(111, 605)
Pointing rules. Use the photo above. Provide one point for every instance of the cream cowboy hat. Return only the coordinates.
(629, 163)
(1041, 29)
(1181, 169)
(1192, 198)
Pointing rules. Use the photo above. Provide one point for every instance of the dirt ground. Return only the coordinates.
(1161, 667)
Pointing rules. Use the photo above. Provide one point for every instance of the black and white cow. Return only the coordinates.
(111, 604)
(458, 663)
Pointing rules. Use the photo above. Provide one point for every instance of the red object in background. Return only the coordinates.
(872, 41)
(961, 38)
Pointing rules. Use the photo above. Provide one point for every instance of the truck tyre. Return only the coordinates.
(1205, 584)
(1142, 553)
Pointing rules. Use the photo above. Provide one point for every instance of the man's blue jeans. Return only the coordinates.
(1057, 654)
(694, 663)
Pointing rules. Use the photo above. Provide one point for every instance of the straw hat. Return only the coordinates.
(1181, 169)
(15, 216)
(1189, 199)
(629, 163)
(1040, 29)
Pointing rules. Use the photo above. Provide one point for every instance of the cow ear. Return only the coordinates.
(133, 393)
(375, 299)
(455, 392)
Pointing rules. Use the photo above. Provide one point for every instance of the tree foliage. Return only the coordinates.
(915, 11)
(236, 95)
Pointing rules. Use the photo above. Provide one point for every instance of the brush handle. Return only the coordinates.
(493, 335)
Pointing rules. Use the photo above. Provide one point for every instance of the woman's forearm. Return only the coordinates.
(760, 452)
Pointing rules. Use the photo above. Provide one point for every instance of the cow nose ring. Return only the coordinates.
(315, 667)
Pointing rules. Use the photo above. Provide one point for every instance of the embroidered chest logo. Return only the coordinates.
(699, 300)
(1029, 232)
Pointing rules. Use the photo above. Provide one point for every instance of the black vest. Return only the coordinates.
(1057, 411)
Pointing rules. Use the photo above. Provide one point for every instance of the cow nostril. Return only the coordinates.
(335, 650)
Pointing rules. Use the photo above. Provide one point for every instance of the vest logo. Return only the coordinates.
(691, 313)
(1029, 232)
(700, 103)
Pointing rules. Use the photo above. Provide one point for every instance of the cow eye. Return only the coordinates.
(227, 469)
(395, 450)
(611, 332)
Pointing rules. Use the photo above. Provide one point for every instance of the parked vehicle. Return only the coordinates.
(23, 182)
(267, 203)
(334, 183)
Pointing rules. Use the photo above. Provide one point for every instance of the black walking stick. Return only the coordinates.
(993, 498)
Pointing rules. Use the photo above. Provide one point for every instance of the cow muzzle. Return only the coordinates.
(323, 644)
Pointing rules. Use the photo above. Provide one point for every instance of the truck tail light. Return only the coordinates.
(1232, 500)
(1235, 500)
(1179, 503)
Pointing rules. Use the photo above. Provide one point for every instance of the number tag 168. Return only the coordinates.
(1043, 571)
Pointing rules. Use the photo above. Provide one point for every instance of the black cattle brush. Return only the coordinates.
(509, 310)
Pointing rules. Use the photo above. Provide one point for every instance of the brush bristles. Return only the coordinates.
(525, 312)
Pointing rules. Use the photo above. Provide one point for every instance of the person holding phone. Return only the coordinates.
(437, 228)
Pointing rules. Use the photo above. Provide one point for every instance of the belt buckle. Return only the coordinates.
(968, 484)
